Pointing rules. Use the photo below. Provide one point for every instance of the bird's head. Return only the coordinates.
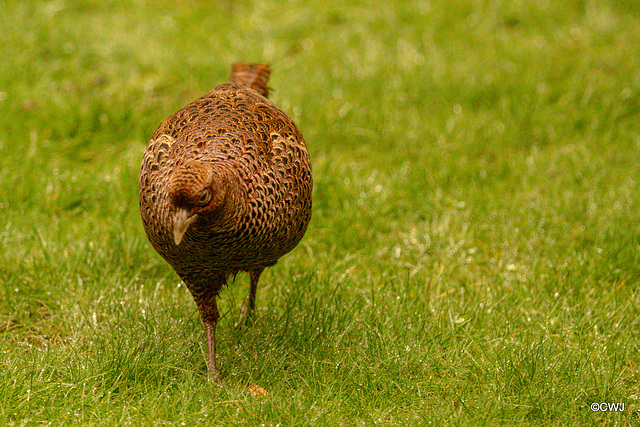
(195, 191)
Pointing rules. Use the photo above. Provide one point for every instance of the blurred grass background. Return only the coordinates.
(474, 252)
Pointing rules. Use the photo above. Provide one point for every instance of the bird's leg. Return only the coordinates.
(209, 313)
(246, 313)
(254, 276)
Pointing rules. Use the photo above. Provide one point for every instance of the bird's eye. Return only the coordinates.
(205, 197)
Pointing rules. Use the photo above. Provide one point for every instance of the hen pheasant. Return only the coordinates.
(225, 186)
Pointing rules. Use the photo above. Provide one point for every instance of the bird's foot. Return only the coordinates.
(214, 378)
(246, 317)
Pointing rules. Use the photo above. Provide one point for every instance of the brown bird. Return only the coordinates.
(225, 186)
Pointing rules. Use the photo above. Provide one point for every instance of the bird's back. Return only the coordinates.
(237, 129)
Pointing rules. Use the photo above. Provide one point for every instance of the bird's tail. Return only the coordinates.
(254, 76)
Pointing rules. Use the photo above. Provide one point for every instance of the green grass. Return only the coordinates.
(474, 252)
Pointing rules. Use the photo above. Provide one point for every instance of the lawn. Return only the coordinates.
(474, 252)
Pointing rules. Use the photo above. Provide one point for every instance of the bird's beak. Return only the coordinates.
(181, 221)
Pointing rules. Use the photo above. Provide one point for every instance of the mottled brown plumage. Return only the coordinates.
(225, 186)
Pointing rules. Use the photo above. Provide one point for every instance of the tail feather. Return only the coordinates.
(254, 76)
